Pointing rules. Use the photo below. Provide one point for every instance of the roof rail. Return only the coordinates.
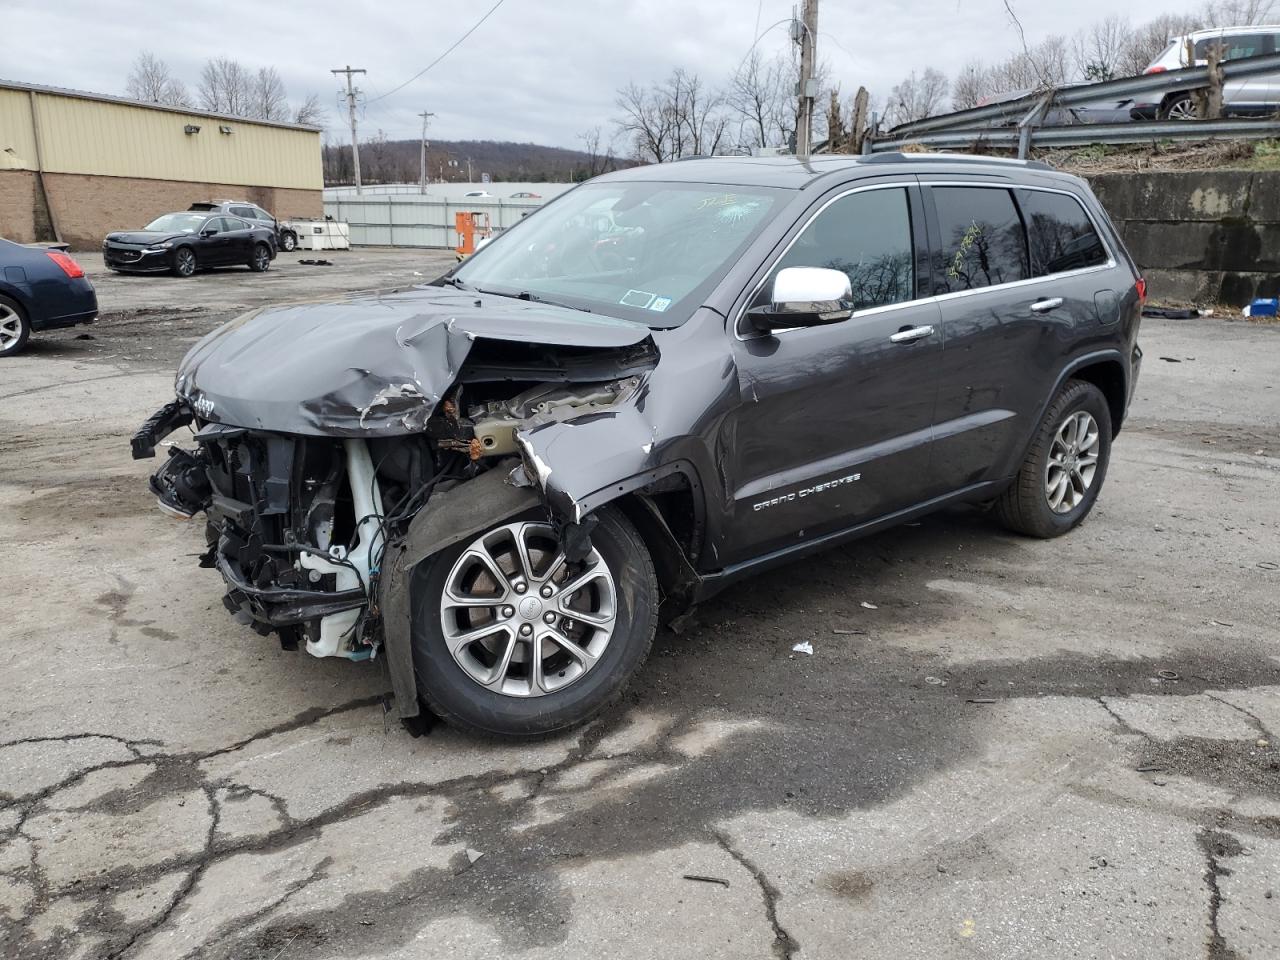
(899, 157)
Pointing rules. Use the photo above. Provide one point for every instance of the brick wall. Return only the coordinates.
(87, 207)
(18, 205)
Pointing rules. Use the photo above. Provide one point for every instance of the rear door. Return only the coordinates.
(240, 239)
(1012, 311)
(1248, 94)
(834, 424)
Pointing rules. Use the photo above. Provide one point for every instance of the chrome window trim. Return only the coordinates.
(940, 297)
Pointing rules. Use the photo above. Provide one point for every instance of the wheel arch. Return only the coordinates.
(1108, 376)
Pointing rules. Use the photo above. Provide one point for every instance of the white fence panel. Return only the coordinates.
(406, 220)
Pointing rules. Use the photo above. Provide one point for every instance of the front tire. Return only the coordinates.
(260, 261)
(512, 640)
(1065, 466)
(288, 242)
(15, 327)
(184, 262)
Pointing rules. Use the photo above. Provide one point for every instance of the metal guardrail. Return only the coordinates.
(1083, 134)
(1126, 88)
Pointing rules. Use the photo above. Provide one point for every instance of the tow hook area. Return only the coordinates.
(181, 485)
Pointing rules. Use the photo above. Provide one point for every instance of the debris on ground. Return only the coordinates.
(935, 681)
(869, 606)
(850, 633)
(981, 700)
(701, 879)
(805, 647)
(317, 263)
(473, 855)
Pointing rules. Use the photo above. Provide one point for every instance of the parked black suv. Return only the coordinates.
(665, 379)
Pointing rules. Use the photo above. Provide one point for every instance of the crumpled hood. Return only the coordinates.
(375, 364)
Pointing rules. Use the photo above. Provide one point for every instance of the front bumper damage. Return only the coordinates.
(273, 505)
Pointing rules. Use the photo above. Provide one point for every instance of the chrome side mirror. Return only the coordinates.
(805, 297)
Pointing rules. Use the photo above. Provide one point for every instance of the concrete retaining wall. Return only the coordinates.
(1199, 236)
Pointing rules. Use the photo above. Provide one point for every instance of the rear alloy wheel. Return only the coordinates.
(1180, 107)
(15, 328)
(184, 262)
(261, 259)
(1064, 467)
(288, 242)
(512, 639)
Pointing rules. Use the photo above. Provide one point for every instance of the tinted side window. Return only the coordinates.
(262, 214)
(1061, 233)
(1234, 46)
(243, 212)
(982, 238)
(867, 236)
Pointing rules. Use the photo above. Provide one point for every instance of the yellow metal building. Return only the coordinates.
(75, 166)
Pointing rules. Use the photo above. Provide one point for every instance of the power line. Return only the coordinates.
(455, 46)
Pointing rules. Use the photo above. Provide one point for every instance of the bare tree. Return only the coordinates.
(599, 154)
(225, 87)
(151, 80)
(757, 97)
(1097, 50)
(375, 155)
(267, 97)
(916, 97)
(972, 85)
(309, 112)
(1236, 13)
(646, 121)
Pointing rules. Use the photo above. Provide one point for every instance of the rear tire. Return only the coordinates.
(15, 327)
(489, 686)
(1065, 466)
(1180, 106)
(184, 262)
(260, 260)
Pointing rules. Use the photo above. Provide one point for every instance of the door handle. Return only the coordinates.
(911, 334)
(1047, 304)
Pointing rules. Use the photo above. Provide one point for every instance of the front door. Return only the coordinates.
(833, 427)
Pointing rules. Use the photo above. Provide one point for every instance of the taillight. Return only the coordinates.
(1155, 70)
(1141, 286)
(69, 266)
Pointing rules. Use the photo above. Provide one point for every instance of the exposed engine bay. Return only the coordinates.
(298, 525)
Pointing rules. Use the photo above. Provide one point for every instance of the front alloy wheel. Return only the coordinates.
(512, 638)
(184, 262)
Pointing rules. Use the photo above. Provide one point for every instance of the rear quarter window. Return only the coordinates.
(982, 239)
(1062, 237)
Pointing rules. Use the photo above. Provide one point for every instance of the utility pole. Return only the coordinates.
(805, 33)
(469, 180)
(352, 93)
(422, 172)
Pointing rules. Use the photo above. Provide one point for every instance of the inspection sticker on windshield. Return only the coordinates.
(660, 303)
(638, 298)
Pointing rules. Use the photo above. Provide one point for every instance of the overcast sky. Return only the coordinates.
(537, 70)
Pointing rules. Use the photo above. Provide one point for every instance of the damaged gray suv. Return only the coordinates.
(664, 380)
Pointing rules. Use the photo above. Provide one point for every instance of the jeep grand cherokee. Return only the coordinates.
(664, 380)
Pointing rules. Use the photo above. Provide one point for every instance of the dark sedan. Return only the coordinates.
(182, 243)
(40, 290)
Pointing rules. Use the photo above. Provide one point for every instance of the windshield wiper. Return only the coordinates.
(535, 298)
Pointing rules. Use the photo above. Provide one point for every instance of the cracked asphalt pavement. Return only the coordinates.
(1020, 749)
